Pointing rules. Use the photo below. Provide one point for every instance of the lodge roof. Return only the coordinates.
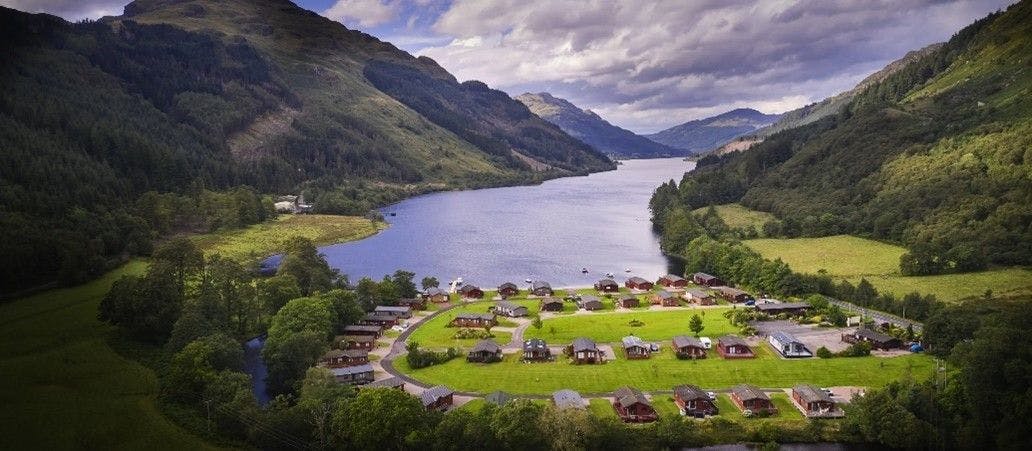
(627, 396)
(431, 395)
(809, 393)
(689, 392)
(682, 341)
(583, 344)
(486, 346)
(352, 370)
(746, 392)
(567, 398)
(731, 340)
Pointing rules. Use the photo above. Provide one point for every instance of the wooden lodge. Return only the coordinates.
(700, 297)
(635, 348)
(360, 329)
(355, 375)
(788, 308)
(693, 402)
(485, 351)
(672, 281)
(638, 283)
(706, 280)
(539, 288)
(474, 320)
(498, 398)
(877, 340)
(588, 302)
(568, 399)
(508, 289)
(437, 398)
(734, 295)
(390, 382)
(551, 304)
(337, 358)
(689, 347)
(751, 399)
(536, 350)
(732, 347)
(583, 350)
(510, 309)
(384, 322)
(470, 291)
(814, 402)
(665, 298)
(628, 301)
(788, 346)
(366, 342)
(436, 295)
(607, 286)
(413, 303)
(632, 406)
(397, 311)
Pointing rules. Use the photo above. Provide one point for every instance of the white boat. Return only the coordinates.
(584, 270)
(627, 270)
(610, 275)
(528, 281)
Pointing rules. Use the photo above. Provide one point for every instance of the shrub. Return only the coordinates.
(824, 353)
(472, 333)
(635, 323)
(860, 349)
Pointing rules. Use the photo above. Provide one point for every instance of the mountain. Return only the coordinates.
(705, 134)
(588, 127)
(183, 96)
(934, 156)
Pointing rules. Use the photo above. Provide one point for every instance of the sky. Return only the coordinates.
(644, 65)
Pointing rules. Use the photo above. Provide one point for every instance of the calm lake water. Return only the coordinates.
(544, 232)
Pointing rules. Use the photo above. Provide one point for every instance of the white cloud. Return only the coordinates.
(364, 13)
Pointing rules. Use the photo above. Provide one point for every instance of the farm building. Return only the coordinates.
(384, 322)
(877, 340)
(568, 399)
(638, 283)
(672, 281)
(336, 358)
(551, 304)
(790, 308)
(435, 295)
(539, 288)
(666, 299)
(588, 302)
(693, 402)
(628, 301)
(475, 320)
(356, 375)
(356, 341)
(413, 303)
(689, 347)
(734, 295)
(470, 291)
(583, 350)
(814, 402)
(437, 398)
(498, 398)
(508, 289)
(787, 345)
(732, 347)
(390, 382)
(399, 311)
(752, 399)
(510, 309)
(632, 406)
(706, 280)
(373, 331)
(536, 350)
(607, 286)
(700, 297)
(636, 348)
(485, 351)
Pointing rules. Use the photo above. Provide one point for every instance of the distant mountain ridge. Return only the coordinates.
(593, 130)
(705, 134)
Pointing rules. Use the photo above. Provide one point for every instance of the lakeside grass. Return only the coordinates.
(258, 241)
(613, 326)
(435, 333)
(735, 215)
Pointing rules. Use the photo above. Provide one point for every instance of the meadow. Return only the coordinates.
(261, 240)
(736, 216)
(435, 333)
(613, 326)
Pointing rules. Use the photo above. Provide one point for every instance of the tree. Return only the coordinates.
(274, 292)
(566, 429)
(516, 425)
(297, 337)
(367, 292)
(193, 367)
(429, 282)
(181, 258)
(399, 420)
(303, 261)
(696, 325)
(536, 322)
(319, 397)
(145, 307)
(404, 285)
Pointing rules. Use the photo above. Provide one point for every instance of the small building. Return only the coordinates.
(390, 382)
(436, 295)
(539, 288)
(689, 347)
(672, 281)
(536, 350)
(360, 329)
(485, 351)
(508, 289)
(789, 308)
(628, 301)
(588, 302)
(877, 340)
(751, 399)
(397, 311)
(607, 286)
(366, 342)
(551, 304)
(355, 375)
(665, 298)
(632, 406)
(437, 398)
(700, 297)
(734, 295)
(498, 398)
(814, 402)
(571, 295)
(384, 322)
(470, 291)
(788, 346)
(693, 402)
(568, 399)
(474, 320)
(706, 280)
(583, 350)
(337, 358)
(413, 303)
(635, 348)
(732, 347)
(638, 283)
(510, 309)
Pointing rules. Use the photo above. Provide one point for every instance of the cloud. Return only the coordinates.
(364, 13)
(73, 10)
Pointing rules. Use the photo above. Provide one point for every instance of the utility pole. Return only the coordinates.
(207, 407)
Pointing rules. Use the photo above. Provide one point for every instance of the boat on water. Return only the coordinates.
(627, 270)
(528, 280)
(584, 270)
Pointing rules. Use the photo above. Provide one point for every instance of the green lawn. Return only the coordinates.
(949, 287)
(735, 215)
(601, 408)
(435, 333)
(664, 371)
(787, 412)
(613, 326)
(260, 240)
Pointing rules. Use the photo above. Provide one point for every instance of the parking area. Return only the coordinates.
(814, 337)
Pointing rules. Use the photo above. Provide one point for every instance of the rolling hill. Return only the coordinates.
(705, 134)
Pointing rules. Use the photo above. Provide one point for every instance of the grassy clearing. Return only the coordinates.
(735, 215)
(613, 326)
(601, 408)
(787, 412)
(261, 240)
(435, 333)
(64, 387)
(950, 287)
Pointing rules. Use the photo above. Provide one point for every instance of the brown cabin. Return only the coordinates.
(470, 291)
(632, 406)
(635, 348)
(732, 347)
(356, 375)
(337, 358)
(607, 286)
(693, 402)
(788, 308)
(357, 342)
(588, 302)
(583, 350)
(706, 280)
(413, 303)
(485, 351)
(438, 398)
(398, 311)
(628, 301)
(384, 321)
(536, 350)
(700, 297)
(508, 289)
(373, 331)
(390, 382)
(551, 304)
(666, 299)
(734, 295)
(752, 399)
(539, 288)
(877, 340)
(689, 347)
(510, 309)
(474, 320)
(814, 402)
(638, 283)
(672, 281)
(436, 295)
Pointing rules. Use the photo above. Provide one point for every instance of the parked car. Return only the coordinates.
(711, 395)
(750, 302)
(706, 342)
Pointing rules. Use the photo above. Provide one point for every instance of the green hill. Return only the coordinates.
(934, 156)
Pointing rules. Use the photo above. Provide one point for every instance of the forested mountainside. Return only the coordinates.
(194, 98)
(590, 128)
(937, 156)
(706, 134)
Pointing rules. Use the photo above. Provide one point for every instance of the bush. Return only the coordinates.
(861, 349)
(635, 323)
(418, 358)
(824, 353)
(472, 333)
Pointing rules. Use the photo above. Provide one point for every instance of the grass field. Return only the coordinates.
(852, 258)
(613, 326)
(261, 240)
(735, 215)
(435, 332)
